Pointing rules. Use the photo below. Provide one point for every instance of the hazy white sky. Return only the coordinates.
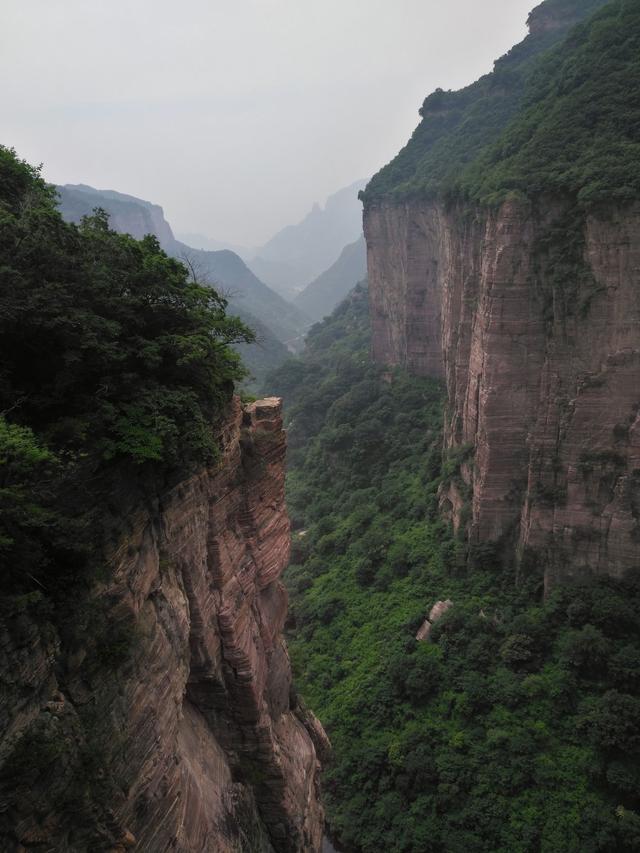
(235, 115)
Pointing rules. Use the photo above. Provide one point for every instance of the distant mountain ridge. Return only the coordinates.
(280, 326)
(209, 244)
(127, 214)
(299, 253)
(245, 292)
(308, 267)
(322, 295)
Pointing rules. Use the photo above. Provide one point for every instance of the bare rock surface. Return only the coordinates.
(543, 376)
(437, 612)
(194, 742)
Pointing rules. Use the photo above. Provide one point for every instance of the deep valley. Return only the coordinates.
(333, 543)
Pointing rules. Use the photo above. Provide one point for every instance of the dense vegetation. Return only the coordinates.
(579, 130)
(555, 115)
(111, 360)
(515, 727)
(272, 318)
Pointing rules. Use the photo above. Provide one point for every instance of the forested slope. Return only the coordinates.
(322, 295)
(544, 102)
(515, 726)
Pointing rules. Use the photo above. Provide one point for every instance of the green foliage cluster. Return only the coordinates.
(515, 728)
(111, 360)
(578, 132)
(559, 114)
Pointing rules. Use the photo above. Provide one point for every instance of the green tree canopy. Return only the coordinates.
(110, 355)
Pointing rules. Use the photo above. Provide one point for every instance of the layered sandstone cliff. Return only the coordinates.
(540, 351)
(165, 719)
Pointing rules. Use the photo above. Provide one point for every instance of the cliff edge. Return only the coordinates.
(177, 728)
(543, 381)
(504, 258)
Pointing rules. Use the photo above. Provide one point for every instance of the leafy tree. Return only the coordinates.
(113, 365)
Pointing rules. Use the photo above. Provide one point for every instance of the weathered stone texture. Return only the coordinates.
(543, 375)
(201, 746)
(435, 614)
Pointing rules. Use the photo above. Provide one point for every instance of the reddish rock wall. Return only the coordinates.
(197, 743)
(542, 369)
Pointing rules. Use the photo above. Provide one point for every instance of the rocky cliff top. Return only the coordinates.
(127, 214)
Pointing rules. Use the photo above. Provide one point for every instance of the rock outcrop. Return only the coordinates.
(165, 719)
(541, 362)
(435, 614)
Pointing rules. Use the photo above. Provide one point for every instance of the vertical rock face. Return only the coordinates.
(198, 743)
(542, 365)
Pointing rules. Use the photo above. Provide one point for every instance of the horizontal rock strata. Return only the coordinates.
(192, 742)
(539, 345)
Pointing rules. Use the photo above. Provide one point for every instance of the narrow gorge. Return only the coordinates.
(465, 590)
(393, 603)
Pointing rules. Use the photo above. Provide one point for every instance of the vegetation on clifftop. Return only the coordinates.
(557, 115)
(515, 728)
(110, 357)
(578, 132)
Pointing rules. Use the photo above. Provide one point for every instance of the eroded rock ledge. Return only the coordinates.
(196, 742)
